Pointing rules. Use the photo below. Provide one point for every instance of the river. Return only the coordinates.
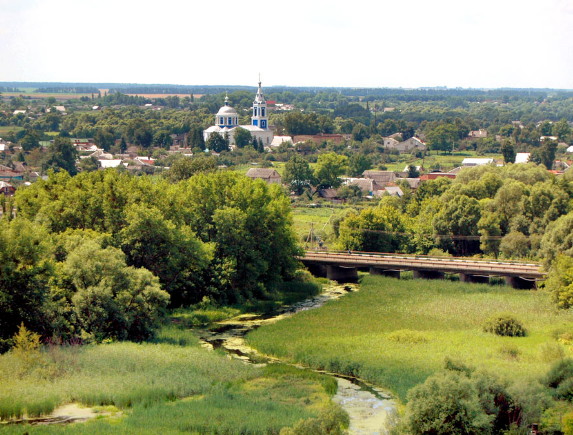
(371, 410)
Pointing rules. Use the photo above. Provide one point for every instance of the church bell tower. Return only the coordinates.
(260, 116)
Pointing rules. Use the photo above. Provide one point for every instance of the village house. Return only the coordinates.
(522, 157)
(406, 146)
(477, 134)
(366, 185)
(7, 173)
(7, 189)
(268, 175)
(434, 175)
(381, 178)
(279, 140)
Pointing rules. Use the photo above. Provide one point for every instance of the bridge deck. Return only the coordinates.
(413, 262)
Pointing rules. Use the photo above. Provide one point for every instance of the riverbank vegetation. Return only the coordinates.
(170, 386)
(397, 333)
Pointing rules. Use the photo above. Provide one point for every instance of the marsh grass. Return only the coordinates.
(278, 396)
(395, 333)
(119, 374)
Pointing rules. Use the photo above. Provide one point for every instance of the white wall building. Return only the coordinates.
(227, 121)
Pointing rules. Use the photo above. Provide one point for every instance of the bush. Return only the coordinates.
(504, 325)
(560, 379)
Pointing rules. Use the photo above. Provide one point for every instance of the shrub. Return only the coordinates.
(504, 325)
(446, 403)
(560, 379)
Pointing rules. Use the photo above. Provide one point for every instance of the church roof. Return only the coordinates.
(226, 110)
(260, 98)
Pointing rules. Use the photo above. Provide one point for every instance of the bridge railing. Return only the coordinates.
(425, 257)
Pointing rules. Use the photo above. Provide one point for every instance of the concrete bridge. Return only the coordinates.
(343, 266)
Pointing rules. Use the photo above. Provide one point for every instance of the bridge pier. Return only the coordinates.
(341, 274)
(519, 283)
(466, 277)
(318, 270)
(385, 272)
(428, 274)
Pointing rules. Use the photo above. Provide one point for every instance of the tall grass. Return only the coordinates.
(120, 374)
(277, 397)
(396, 333)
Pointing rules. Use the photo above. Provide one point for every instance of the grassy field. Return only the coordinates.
(5, 129)
(172, 386)
(395, 333)
(30, 93)
(319, 218)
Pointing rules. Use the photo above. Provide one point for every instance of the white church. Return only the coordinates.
(227, 121)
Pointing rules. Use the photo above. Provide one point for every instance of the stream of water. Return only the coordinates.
(371, 410)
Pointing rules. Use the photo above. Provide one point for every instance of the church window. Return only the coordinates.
(262, 111)
(230, 121)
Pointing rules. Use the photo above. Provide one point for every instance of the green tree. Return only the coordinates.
(358, 163)
(508, 151)
(562, 130)
(104, 138)
(446, 403)
(88, 164)
(112, 300)
(443, 137)
(62, 156)
(186, 167)
(30, 141)
(162, 138)
(26, 271)
(545, 154)
(195, 137)
(379, 229)
(139, 132)
(459, 217)
(461, 401)
(171, 253)
(217, 143)
(560, 281)
(515, 245)
(242, 137)
(558, 239)
(298, 174)
(329, 168)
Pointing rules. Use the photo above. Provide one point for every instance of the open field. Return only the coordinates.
(395, 333)
(164, 95)
(306, 217)
(5, 129)
(43, 95)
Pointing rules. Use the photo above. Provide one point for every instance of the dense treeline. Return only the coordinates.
(102, 254)
(515, 211)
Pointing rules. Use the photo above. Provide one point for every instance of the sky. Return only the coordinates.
(358, 43)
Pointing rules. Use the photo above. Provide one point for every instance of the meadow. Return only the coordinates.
(172, 386)
(395, 333)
